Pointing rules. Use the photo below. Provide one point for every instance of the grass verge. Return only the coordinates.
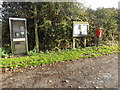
(55, 56)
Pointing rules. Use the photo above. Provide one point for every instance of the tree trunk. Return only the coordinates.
(113, 40)
(36, 28)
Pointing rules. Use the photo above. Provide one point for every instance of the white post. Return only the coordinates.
(119, 5)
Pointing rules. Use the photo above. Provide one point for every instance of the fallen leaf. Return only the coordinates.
(66, 81)
(11, 78)
(96, 87)
(50, 81)
(79, 87)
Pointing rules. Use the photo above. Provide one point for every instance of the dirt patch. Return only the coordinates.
(100, 72)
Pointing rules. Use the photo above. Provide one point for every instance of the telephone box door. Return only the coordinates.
(18, 34)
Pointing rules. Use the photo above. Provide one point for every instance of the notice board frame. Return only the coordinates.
(80, 35)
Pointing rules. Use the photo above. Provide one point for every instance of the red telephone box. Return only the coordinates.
(99, 32)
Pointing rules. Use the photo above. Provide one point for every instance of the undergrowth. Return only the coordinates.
(56, 56)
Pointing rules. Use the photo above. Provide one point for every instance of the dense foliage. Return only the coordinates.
(55, 23)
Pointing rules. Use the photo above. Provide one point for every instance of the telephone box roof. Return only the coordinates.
(17, 18)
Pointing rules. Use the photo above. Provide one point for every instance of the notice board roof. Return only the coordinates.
(80, 22)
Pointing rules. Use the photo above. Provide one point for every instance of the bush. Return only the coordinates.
(32, 53)
(55, 56)
(0, 52)
(5, 52)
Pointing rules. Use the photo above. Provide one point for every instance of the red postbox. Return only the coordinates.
(99, 32)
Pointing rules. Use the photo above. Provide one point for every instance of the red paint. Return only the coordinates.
(99, 32)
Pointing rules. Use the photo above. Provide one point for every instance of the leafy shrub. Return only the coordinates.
(5, 52)
(55, 56)
(0, 52)
(32, 53)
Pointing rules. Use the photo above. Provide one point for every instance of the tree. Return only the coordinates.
(21, 10)
(36, 27)
(107, 19)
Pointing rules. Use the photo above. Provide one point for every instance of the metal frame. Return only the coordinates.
(11, 36)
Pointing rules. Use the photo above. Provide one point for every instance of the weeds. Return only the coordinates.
(4, 52)
(54, 56)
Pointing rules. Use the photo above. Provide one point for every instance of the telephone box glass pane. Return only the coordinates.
(18, 29)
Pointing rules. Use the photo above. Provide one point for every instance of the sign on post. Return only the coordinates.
(80, 29)
(18, 35)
